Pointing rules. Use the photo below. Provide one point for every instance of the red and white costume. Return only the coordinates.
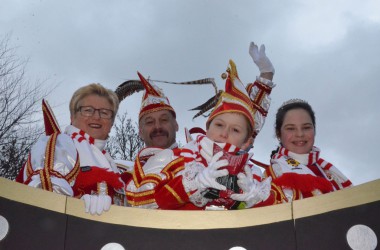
(70, 163)
(201, 151)
(298, 176)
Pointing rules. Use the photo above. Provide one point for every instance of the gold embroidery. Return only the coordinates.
(292, 162)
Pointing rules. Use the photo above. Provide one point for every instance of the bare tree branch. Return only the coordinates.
(126, 143)
(20, 103)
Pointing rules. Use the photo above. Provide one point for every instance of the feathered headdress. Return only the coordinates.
(153, 97)
(233, 99)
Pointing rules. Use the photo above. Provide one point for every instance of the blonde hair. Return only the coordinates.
(94, 89)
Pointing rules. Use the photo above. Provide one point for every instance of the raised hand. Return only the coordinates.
(260, 59)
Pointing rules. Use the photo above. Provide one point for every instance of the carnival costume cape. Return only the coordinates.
(70, 163)
(298, 176)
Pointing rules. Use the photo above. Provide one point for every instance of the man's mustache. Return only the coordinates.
(159, 132)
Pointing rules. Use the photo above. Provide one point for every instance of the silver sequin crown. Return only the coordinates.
(295, 100)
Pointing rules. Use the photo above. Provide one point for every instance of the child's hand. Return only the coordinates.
(252, 192)
(260, 58)
(207, 178)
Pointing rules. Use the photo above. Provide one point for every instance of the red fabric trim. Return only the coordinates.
(138, 172)
(197, 130)
(50, 122)
(260, 164)
(173, 167)
(140, 198)
(270, 201)
(346, 183)
(172, 195)
(304, 182)
(49, 163)
(126, 177)
(88, 180)
(277, 192)
(149, 90)
(20, 175)
(156, 107)
(91, 140)
(263, 90)
(335, 184)
(45, 180)
(226, 107)
(72, 175)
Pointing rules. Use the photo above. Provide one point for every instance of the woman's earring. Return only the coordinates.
(279, 141)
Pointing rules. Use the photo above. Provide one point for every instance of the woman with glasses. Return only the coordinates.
(74, 163)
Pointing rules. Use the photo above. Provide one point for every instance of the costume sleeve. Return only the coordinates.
(156, 179)
(53, 164)
(192, 169)
(335, 176)
(296, 181)
(259, 92)
(277, 194)
(171, 195)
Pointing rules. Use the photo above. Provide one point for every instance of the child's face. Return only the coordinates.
(231, 128)
(297, 131)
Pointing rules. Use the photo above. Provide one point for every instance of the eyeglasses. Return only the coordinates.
(89, 111)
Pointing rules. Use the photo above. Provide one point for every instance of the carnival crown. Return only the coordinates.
(291, 101)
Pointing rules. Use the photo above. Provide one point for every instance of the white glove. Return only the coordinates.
(252, 192)
(96, 203)
(260, 59)
(207, 178)
(207, 148)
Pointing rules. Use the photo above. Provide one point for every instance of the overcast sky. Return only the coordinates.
(326, 52)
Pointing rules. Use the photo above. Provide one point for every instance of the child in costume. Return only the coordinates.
(220, 176)
(296, 168)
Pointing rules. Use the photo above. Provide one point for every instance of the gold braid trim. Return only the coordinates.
(49, 163)
(72, 175)
(174, 194)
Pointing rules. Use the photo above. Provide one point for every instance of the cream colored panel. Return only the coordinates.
(15, 191)
(350, 197)
(170, 219)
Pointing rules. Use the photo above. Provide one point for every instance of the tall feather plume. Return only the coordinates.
(130, 87)
(195, 82)
(127, 88)
(209, 104)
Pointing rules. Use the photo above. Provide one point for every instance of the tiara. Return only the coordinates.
(291, 101)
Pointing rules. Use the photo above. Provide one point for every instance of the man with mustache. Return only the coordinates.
(157, 128)
(157, 121)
